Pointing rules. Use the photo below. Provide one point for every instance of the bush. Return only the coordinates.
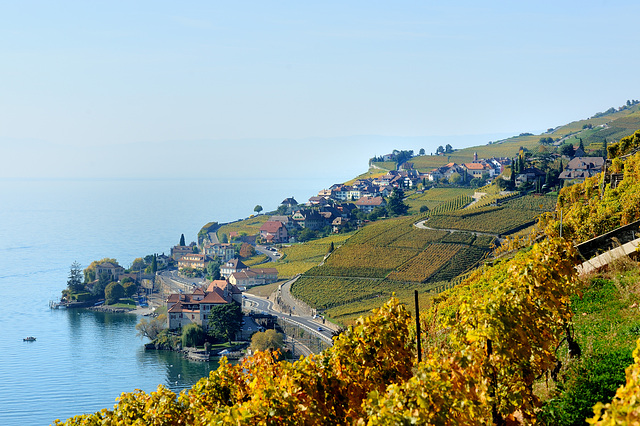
(192, 336)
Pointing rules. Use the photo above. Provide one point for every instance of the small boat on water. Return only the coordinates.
(29, 339)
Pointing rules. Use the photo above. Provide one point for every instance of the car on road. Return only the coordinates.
(319, 328)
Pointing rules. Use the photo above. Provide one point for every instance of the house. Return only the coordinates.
(581, 168)
(477, 169)
(178, 251)
(231, 266)
(318, 201)
(530, 174)
(309, 219)
(163, 260)
(367, 204)
(112, 270)
(184, 309)
(223, 251)
(338, 224)
(192, 261)
(253, 276)
(274, 232)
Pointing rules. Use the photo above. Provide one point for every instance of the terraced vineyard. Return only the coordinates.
(434, 197)
(363, 260)
(512, 216)
(299, 258)
(426, 263)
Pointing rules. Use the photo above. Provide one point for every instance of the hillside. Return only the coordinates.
(612, 126)
(522, 341)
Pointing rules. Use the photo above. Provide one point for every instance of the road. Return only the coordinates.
(272, 255)
(308, 323)
(178, 283)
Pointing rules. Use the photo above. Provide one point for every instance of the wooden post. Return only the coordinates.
(418, 327)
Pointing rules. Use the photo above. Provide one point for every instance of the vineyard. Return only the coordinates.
(513, 215)
(363, 260)
(434, 197)
(426, 263)
(326, 292)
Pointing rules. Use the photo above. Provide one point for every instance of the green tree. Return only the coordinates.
(213, 269)
(130, 286)
(267, 340)
(192, 336)
(567, 149)
(182, 240)
(151, 327)
(424, 209)
(396, 205)
(439, 150)
(224, 238)
(448, 149)
(257, 209)
(113, 292)
(455, 178)
(154, 265)
(74, 283)
(101, 285)
(225, 321)
(421, 152)
(331, 248)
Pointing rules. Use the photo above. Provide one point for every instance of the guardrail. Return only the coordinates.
(612, 239)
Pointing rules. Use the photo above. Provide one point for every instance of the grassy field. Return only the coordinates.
(249, 226)
(264, 290)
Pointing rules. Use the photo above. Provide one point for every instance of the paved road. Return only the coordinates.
(259, 304)
(270, 254)
(178, 283)
(421, 225)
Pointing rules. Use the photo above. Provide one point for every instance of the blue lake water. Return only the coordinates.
(82, 361)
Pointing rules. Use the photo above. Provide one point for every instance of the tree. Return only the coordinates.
(130, 287)
(151, 327)
(74, 283)
(581, 145)
(213, 269)
(421, 152)
(331, 248)
(182, 240)
(396, 205)
(154, 265)
(101, 285)
(448, 149)
(246, 250)
(225, 321)
(257, 209)
(192, 336)
(567, 149)
(455, 178)
(113, 292)
(424, 209)
(224, 238)
(267, 340)
(439, 150)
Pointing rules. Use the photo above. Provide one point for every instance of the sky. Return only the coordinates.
(96, 89)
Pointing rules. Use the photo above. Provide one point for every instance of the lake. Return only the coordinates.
(82, 360)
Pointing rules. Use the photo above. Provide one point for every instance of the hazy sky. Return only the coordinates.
(83, 80)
